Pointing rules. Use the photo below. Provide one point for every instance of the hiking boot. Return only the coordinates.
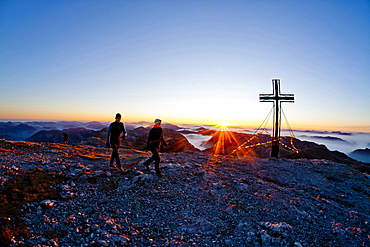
(146, 165)
(159, 174)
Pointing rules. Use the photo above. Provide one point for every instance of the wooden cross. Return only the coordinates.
(276, 97)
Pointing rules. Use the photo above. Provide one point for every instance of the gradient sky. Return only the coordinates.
(186, 61)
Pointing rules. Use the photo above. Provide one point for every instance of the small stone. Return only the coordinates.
(102, 243)
(47, 204)
(94, 227)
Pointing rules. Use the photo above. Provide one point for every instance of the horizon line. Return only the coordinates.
(202, 124)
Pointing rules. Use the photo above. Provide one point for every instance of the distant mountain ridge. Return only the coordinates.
(20, 131)
(361, 155)
(328, 132)
(94, 134)
(14, 131)
(137, 139)
(255, 146)
(331, 138)
(56, 136)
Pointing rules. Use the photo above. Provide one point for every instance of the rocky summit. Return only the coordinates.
(66, 195)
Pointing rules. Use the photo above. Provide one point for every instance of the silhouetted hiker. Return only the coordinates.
(65, 138)
(116, 132)
(155, 139)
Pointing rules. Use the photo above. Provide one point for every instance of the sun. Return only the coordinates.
(224, 124)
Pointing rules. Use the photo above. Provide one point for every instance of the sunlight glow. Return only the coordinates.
(224, 140)
(224, 125)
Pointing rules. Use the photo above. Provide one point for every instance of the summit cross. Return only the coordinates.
(276, 97)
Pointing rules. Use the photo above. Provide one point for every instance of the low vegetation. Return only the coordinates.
(30, 186)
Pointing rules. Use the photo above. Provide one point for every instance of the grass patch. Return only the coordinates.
(4, 150)
(93, 156)
(90, 154)
(31, 186)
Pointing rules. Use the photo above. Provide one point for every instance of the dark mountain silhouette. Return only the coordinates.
(222, 142)
(137, 138)
(56, 136)
(170, 126)
(227, 142)
(134, 125)
(341, 133)
(51, 136)
(44, 125)
(326, 132)
(200, 130)
(95, 125)
(186, 132)
(16, 132)
(207, 132)
(142, 123)
(69, 124)
(362, 155)
(92, 141)
(257, 146)
(176, 142)
(311, 150)
(329, 138)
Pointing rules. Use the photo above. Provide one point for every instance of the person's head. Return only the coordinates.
(118, 117)
(157, 122)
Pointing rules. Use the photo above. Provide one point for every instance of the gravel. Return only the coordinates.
(202, 200)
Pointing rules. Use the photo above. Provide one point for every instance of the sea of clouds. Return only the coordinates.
(345, 142)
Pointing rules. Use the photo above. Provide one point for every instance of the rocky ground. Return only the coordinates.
(63, 195)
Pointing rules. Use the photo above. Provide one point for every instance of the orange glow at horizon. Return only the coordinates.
(225, 140)
(129, 117)
(223, 125)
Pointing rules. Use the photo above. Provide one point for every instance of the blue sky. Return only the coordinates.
(186, 61)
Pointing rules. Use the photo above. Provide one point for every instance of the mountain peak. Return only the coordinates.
(201, 200)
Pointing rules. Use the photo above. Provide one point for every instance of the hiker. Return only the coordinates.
(116, 133)
(65, 138)
(155, 139)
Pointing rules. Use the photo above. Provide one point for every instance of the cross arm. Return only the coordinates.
(286, 98)
(275, 98)
(267, 97)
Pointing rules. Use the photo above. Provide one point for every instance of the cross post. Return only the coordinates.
(276, 97)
